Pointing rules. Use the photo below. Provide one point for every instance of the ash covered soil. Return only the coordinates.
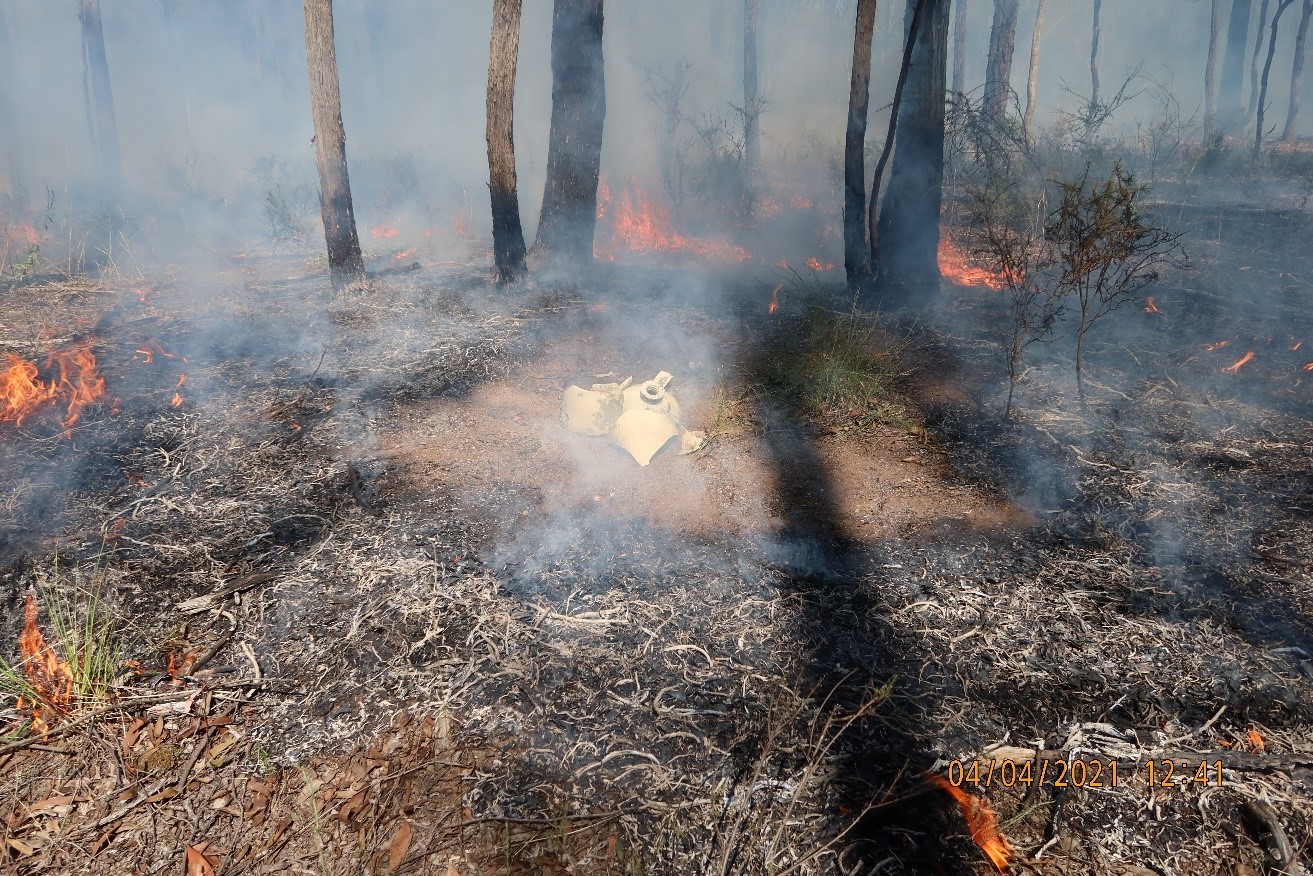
(420, 626)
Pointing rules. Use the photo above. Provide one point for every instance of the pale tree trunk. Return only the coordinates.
(503, 53)
(1210, 69)
(99, 98)
(960, 48)
(1233, 65)
(574, 146)
(906, 259)
(751, 99)
(1297, 74)
(1282, 6)
(998, 65)
(1032, 76)
(1094, 55)
(345, 264)
(856, 252)
(1251, 108)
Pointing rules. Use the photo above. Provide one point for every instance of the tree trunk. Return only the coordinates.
(1094, 55)
(998, 66)
(345, 264)
(99, 98)
(1297, 74)
(1233, 64)
(1210, 69)
(856, 252)
(574, 146)
(1282, 5)
(503, 52)
(15, 176)
(1032, 77)
(751, 100)
(1252, 107)
(906, 259)
(960, 48)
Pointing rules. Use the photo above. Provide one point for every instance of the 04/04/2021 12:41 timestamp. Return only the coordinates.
(1083, 773)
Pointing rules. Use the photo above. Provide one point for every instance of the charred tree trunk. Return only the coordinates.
(1032, 77)
(960, 48)
(574, 146)
(856, 252)
(751, 99)
(99, 98)
(1252, 107)
(345, 264)
(1094, 55)
(998, 66)
(1210, 69)
(1282, 6)
(1233, 65)
(906, 258)
(1297, 75)
(503, 53)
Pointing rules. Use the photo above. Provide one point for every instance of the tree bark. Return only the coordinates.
(1210, 69)
(998, 65)
(1094, 55)
(345, 264)
(503, 54)
(1297, 74)
(1032, 77)
(1282, 5)
(856, 251)
(1252, 107)
(574, 147)
(960, 48)
(1233, 65)
(751, 99)
(906, 258)
(99, 97)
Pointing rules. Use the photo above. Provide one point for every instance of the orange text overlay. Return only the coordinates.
(1082, 773)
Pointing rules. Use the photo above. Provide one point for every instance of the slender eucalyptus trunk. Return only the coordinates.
(960, 48)
(1297, 75)
(856, 252)
(101, 121)
(1282, 6)
(503, 54)
(1032, 77)
(906, 259)
(751, 98)
(1094, 55)
(998, 65)
(1251, 108)
(1210, 69)
(345, 264)
(1233, 65)
(574, 147)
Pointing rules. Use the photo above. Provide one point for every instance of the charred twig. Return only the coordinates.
(1262, 819)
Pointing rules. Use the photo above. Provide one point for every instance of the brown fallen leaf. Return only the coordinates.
(200, 861)
(352, 807)
(399, 846)
(21, 848)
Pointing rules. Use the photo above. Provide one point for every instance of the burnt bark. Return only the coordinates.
(1297, 74)
(1233, 64)
(907, 233)
(1032, 76)
(751, 97)
(503, 54)
(574, 147)
(1282, 6)
(1094, 55)
(960, 48)
(998, 64)
(856, 251)
(345, 264)
(99, 97)
(1252, 106)
(1210, 68)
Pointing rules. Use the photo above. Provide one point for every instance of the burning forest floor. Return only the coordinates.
(389, 617)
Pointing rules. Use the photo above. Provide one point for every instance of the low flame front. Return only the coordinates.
(981, 822)
(643, 227)
(51, 679)
(75, 385)
(954, 267)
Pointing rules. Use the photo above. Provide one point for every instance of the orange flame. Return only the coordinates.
(801, 202)
(1244, 360)
(177, 400)
(775, 299)
(1219, 345)
(643, 227)
(981, 822)
(1309, 367)
(817, 265)
(1256, 741)
(954, 267)
(460, 226)
(77, 385)
(403, 255)
(768, 207)
(1295, 346)
(384, 232)
(603, 198)
(1150, 306)
(51, 678)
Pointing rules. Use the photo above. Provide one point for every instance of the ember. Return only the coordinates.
(77, 385)
(1244, 360)
(775, 299)
(817, 265)
(51, 679)
(384, 232)
(955, 268)
(1219, 345)
(1150, 306)
(981, 822)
